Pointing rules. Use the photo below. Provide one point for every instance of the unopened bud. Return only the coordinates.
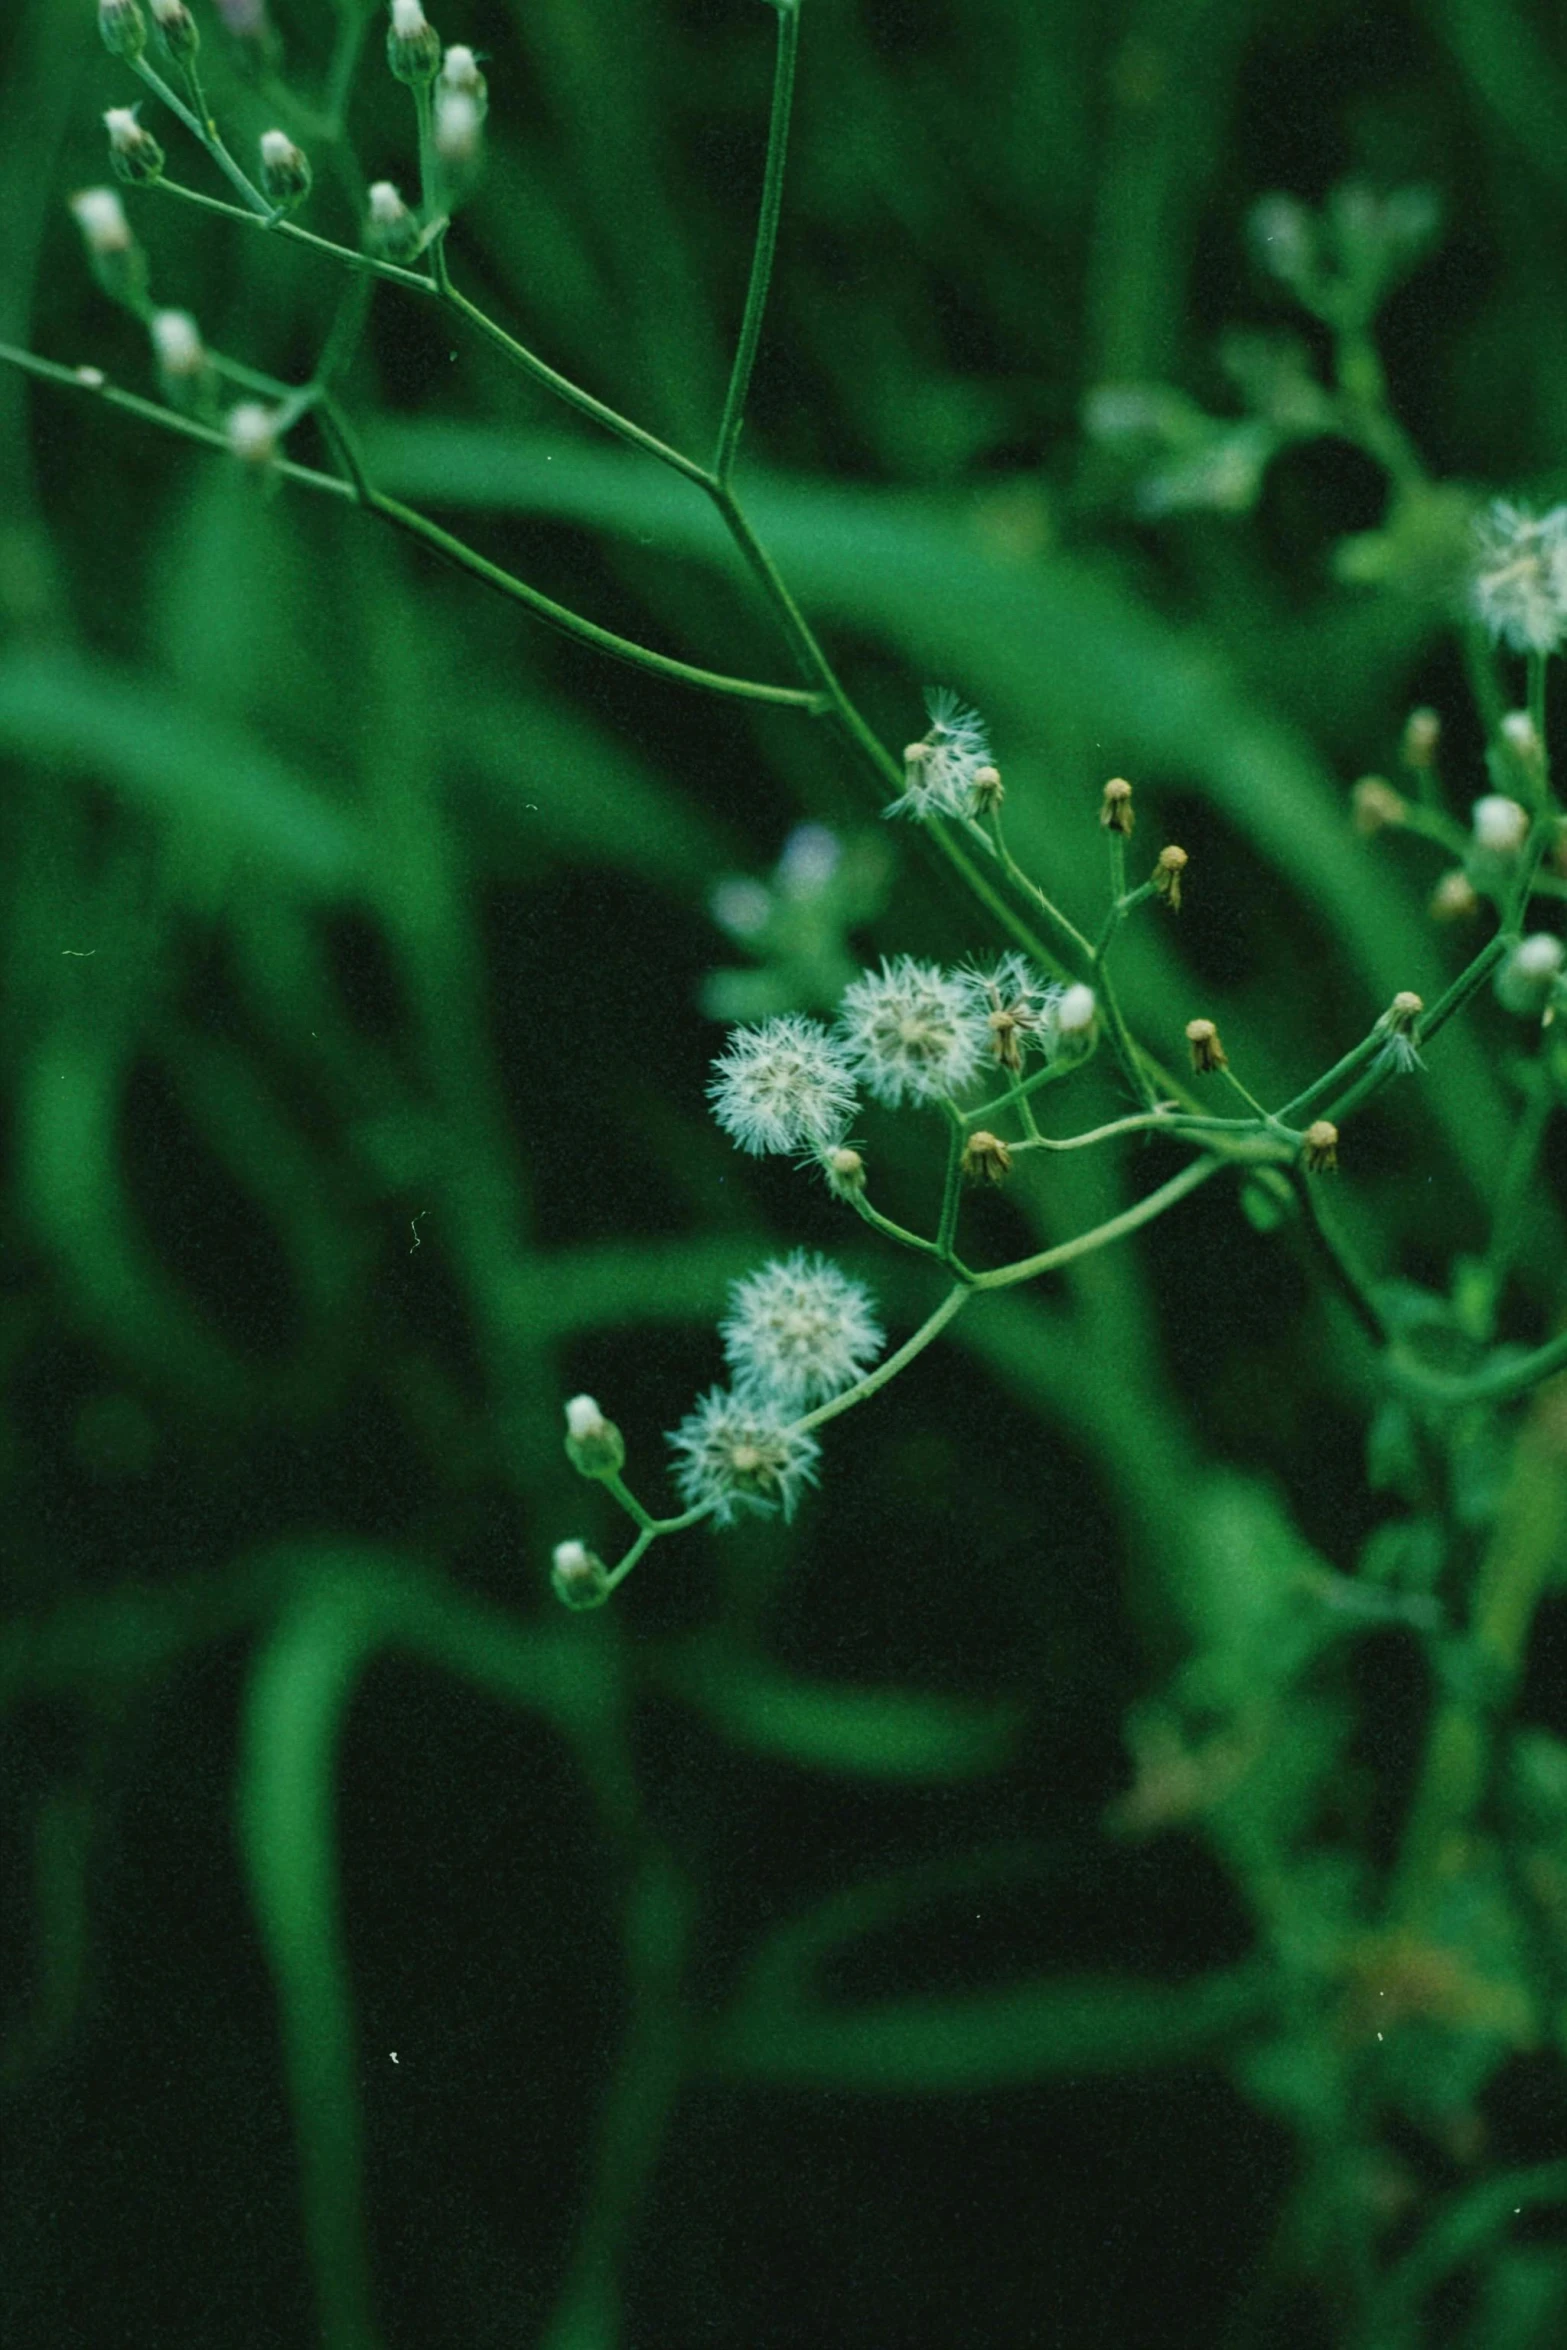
(988, 790)
(285, 171)
(1167, 876)
(122, 28)
(1454, 898)
(101, 218)
(1116, 812)
(1501, 826)
(251, 431)
(986, 1158)
(594, 1445)
(177, 346)
(1208, 1053)
(1422, 735)
(1521, 740)
(1375, 803)
(413, 46)
(845, 1171)
(1403, 1012)
(1530, 976)
(578, 1577)
(460, 73)
(134, 152)
(391, 230)
(1319, 1148)
(176, 29)
(457, 122)
(1077, 1012)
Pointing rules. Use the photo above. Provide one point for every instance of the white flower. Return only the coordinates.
(101, 218)
(176, 344)
(783, 1086)
(939, 772)
(913, 1032)
(739, 1452)
(798, 1331)
(1519, 588)
(1501, 826)
(1529, 977)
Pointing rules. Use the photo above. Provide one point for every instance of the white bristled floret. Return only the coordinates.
(798, 1331)
(785, 1085)
(939, 771)
(252, 432)
(386, 205)
(1017, 1005)
(913, 1032)
(1501, 826)
(1076, 1010)
(1519, 587)
(739, 1452)
(1530, 976)
(408, 19)
(176, 343)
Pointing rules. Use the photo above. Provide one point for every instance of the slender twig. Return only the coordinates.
(764, 248)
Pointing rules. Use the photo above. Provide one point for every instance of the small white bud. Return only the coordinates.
(460, 70)
(594, 1445)
(1501, 826)
(177, 29)
(134, 152)
(580, 1579)
(121, 27)
(101, 218)
(176, 344)
(457, 121)
(1077, 1011)
(252, 433)
(413, 46)
(1528, 979)
(390, 228)
(285, 170)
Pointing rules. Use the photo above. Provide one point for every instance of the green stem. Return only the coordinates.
(431, 190)
(1031, 889)
(1333, 1255)
(1515, 1375)
(1129, 1220)
(953, 1303)
(765, 246)
(206, 134)
(273, 224)
(891, 1231)
(951, 1193)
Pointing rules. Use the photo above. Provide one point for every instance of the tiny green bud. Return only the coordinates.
(134, 152)
(413, 46)
(123, 28)
(594, 1445)
(285, 171)
(391, 230)
(579, 1578)
(176, 29)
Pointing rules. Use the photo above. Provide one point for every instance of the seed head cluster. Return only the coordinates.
(913, 1032)
(1519, 588)
(786, 1085)
(799, 1331)
(736, 1451)
(943, 771)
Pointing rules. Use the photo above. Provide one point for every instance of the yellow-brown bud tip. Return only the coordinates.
(1320, 1148)
(1208, 1053)
(1374, 803)
(986, 1158)
(1422, 733)
(1116, 812)
(1454, 898)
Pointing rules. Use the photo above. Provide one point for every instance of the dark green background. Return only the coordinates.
(351, 1076)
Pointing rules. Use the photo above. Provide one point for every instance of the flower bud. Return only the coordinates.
(457, 123)
(101, 218)
(1116, 812)
(413, 46)
(177, 348)
(986, 1158)
(460, 74)
(391, 230)
(1208, 1053)
(1319, 1149)
(1531, 974)
(1167, 876)
(579, 1578)
(1397, 1026)
(1501, 826)
(285, 171)
(1077, 1013)
(845, 1171)
(134, 153)
(594, 1445)
(1454, 898)
(122, 27)
(1521, 741)
(251, 431)
(1422, 735)
(1375, 803)
(176, 29)
(988, 790)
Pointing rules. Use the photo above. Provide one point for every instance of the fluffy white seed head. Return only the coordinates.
(1501, 826)
(913, 1032)
(1519, 587)
(1019, 1008)
(799, 1331)
(101, 218)
(251, 432)
(738, 1452)
(941, 771)
(785, 1085)
(176, 344)
(1529, 977)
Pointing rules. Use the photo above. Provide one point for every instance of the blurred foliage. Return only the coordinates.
(1006, 1905)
